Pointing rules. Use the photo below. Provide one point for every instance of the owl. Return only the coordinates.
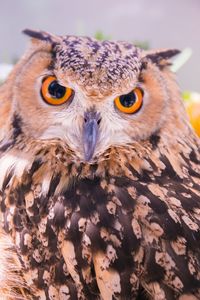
(99, 175)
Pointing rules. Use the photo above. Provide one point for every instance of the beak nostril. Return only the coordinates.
(92, 116)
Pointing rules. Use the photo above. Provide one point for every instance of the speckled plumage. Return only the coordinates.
(125, 225)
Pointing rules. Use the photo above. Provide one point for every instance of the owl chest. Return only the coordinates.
(96, 225)
(56, 234)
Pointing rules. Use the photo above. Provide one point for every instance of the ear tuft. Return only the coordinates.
(157, 56)
(161, 57)
(41, 35)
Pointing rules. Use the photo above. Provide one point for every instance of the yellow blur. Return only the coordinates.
(193, 110)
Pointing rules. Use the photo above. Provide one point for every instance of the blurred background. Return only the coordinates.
(153, 24)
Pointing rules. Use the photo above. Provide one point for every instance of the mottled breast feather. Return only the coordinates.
(131, 227)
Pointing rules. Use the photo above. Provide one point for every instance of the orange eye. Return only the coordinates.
(131, 102)
(53, 93)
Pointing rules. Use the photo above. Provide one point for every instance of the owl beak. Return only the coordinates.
(90, 133)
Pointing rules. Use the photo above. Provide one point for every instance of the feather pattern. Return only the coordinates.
(125, 225)
(121, 222)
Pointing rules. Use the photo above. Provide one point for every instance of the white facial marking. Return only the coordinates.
(10, 162)
(67, 124)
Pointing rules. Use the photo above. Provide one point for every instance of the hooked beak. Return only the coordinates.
(90, 133)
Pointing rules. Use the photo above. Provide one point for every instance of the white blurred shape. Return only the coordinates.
(4, 71)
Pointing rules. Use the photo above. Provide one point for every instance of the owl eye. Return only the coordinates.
(53, 93)
(131, 102)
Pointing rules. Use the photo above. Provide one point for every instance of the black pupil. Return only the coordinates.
(56, 90)
(128, 100)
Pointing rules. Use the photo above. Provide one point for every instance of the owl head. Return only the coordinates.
(90, 95)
